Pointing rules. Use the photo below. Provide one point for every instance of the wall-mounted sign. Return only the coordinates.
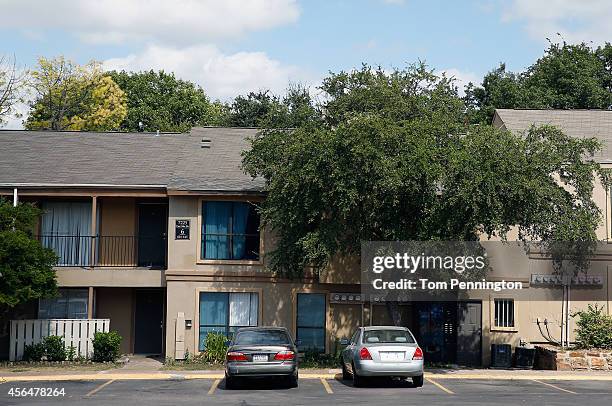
(181, 230)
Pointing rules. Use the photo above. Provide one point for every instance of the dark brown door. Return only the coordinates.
(469, 333)
(152, 232)
(149, 321)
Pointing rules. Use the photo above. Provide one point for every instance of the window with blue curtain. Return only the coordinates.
(66, 229)
(226, 312)
(230, 230)
(311, 321)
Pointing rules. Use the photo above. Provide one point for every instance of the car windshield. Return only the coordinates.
(262, 337)
(387, 336)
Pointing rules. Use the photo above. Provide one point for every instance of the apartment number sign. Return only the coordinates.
(181, 230)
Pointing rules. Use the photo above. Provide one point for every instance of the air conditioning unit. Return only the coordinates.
(524, 357)
(501, 356)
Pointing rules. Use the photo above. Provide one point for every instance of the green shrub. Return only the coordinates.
(33, 352)
(106, 346)
(316, 359)
(55, 350)
(71, 353)
(215, 348)
(594, 328)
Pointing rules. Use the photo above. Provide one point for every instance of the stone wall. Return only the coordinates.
(573, 360)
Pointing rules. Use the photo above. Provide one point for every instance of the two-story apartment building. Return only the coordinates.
(160, 234)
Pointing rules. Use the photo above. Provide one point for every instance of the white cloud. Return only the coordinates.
(461, 78)
(575, 20)
(221, 75)
(170, 21)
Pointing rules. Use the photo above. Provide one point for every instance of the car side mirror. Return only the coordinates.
(298, 342)
(344, 341)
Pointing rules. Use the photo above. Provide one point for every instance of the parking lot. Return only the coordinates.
(311, 391)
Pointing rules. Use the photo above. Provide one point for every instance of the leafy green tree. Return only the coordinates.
(74, 97)
(162, 102)
(263, 109)
(296, 108)
(566, 77)
(250, 110)
(26, 268)
(500, 89)
(393, 159)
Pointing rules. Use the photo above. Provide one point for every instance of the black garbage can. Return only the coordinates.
(524, 357)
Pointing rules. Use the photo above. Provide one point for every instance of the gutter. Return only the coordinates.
(80, 185)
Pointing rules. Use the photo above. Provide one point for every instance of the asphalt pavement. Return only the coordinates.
(312, 391)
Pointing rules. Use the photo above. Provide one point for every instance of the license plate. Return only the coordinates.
(391, 356)
(260, 358)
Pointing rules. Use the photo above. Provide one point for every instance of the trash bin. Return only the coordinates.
(524, 357)
(501, 356)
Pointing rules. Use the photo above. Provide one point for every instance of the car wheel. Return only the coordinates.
(417, 381)
(292, 381)
(357, 380)
(230, 382)
(345, 375)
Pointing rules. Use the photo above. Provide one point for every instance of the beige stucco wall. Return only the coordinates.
(277, 304)
(117, 216)
(601, 196)
(183, 254)
(277, 296)
(116, 304)
(117, 219)
(110, 277)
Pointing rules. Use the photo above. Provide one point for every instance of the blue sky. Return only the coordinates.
(234, 46)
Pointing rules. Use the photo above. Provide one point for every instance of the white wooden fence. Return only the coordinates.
(76, 332)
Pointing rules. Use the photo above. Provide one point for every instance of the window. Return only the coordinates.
(225, 313)
(504, 313)
(311, 321)
(230, 230)
(262, 337)
(66, 229)
(70, 304)
(387, 336)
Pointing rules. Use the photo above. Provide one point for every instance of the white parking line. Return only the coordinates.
(96, 390)
(328, 388)
(555, 386)
(214, 386)
(444, 388)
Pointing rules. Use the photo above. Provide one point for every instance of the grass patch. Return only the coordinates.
(191, 366)
(314, 360)
(57, 366)
(193, 363)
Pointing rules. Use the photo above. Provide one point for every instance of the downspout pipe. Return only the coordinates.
(15, 198)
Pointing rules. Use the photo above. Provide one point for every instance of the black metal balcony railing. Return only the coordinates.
(107, 251)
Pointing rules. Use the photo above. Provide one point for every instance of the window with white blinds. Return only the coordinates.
(504, 312)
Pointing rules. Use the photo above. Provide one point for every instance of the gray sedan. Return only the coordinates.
(261, 352)
(382, 351)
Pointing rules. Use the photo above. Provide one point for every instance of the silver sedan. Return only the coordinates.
(261, 352)
(382, 351)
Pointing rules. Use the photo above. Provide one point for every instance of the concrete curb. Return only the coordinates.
(176, 376)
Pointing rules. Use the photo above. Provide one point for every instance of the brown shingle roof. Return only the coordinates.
(172, 161)
(575, 123)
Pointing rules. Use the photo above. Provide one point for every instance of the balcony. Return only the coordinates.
(108, 251)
